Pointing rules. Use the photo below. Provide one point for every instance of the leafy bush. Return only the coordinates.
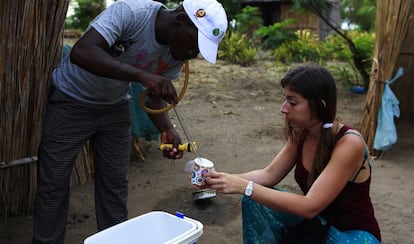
(307, 48)
(346, 74)
(275, 35)
(249, 18)
(247, 21)
(304, 48)
(335, 49)
(236, 48)
(364, 43)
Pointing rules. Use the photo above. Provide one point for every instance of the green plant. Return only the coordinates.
(335, 49)
(84, 12)
(275, 35)
(346, 74)
(247, 21)
(304, 48)
(236, 48)
(249, 18)
(365, 43)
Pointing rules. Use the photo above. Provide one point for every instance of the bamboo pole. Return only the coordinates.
(22, 161)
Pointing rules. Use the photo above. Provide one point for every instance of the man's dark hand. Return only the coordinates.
(159, 86)
(170, 136)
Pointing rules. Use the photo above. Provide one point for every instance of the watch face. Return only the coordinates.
(249, 189)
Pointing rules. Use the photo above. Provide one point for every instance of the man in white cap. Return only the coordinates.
(211, 21)
(132, 40)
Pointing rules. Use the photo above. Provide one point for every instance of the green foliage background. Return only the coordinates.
(84, 12)
(247, 36)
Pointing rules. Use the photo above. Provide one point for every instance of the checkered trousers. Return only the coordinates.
(67, 126)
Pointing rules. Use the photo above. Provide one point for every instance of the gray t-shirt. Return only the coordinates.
(128, 26)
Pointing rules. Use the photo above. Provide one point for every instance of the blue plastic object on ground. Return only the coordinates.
(357, 89)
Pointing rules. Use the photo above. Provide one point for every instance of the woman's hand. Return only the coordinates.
(225, 183)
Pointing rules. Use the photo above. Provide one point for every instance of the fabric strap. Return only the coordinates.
(366, 156)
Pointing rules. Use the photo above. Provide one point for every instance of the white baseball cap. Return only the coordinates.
(210, 19)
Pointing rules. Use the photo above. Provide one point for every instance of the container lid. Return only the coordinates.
(150, 228)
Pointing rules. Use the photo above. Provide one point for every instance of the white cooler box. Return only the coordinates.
(151, 228)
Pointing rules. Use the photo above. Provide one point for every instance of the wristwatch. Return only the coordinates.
(249, 189)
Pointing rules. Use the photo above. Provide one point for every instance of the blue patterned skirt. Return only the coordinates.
(264, 225)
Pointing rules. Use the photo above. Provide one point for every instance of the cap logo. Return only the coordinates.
(200, 13)
(216, 31)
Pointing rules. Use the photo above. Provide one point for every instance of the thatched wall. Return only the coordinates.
(403, 88)
(31, 40)
(394, 41)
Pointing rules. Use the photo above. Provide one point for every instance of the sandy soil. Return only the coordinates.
(232, 112)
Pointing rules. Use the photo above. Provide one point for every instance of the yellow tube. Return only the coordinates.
(181, 147)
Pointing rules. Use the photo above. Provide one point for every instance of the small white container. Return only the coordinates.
(151, 228)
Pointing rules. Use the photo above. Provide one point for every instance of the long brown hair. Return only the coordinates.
(315, 84)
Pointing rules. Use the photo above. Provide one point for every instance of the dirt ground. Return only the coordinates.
(232, 112)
